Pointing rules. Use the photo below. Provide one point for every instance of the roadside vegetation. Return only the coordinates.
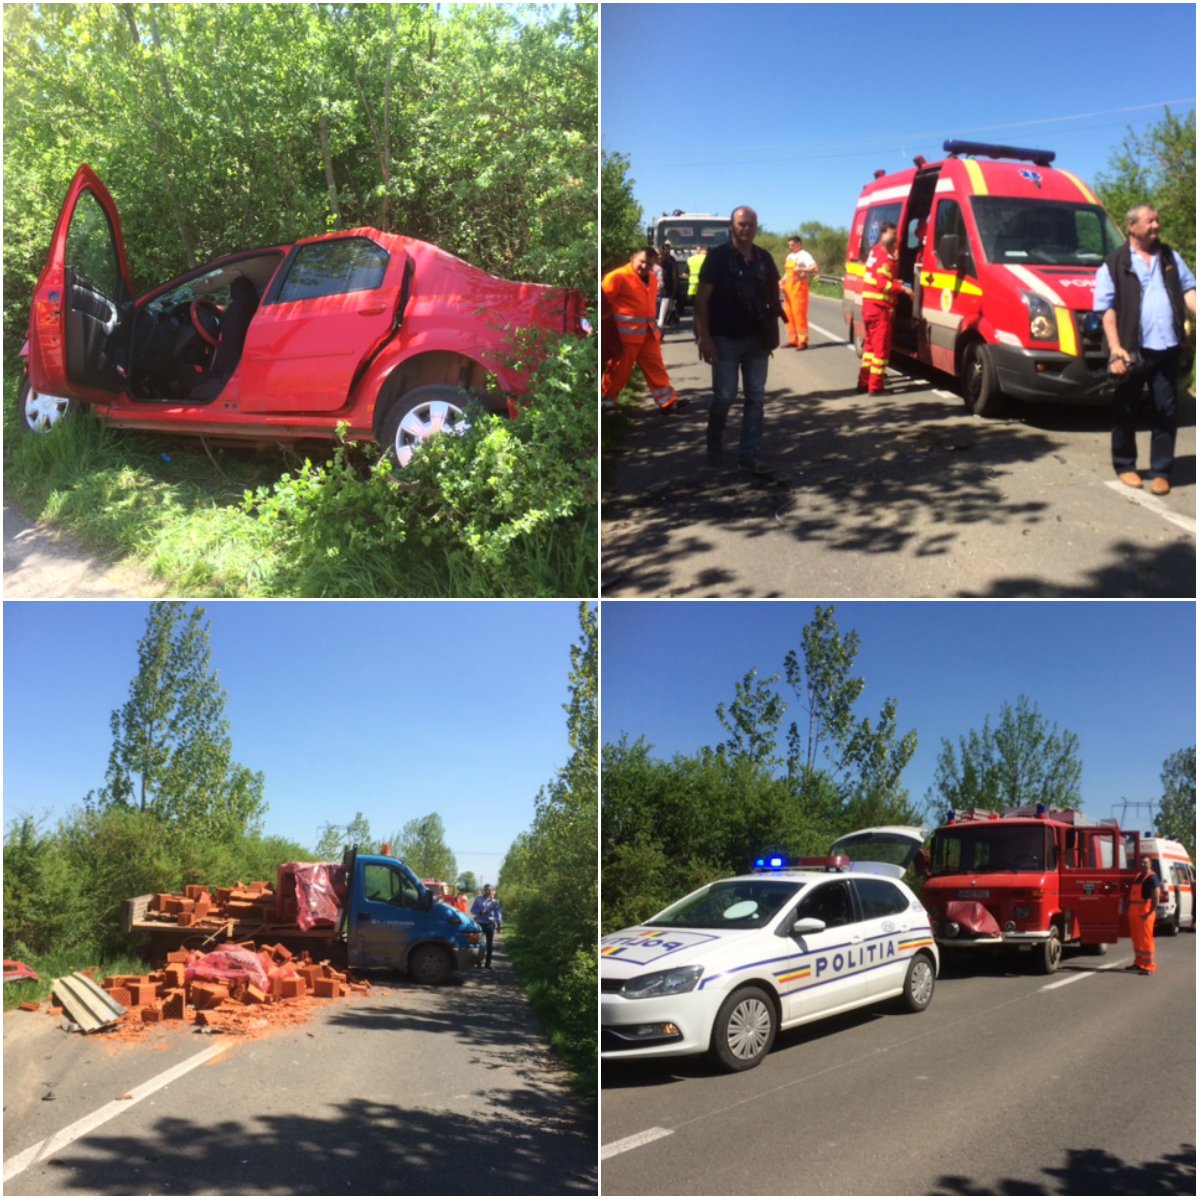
(472, 127)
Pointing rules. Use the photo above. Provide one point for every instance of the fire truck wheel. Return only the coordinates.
(1049, 954)
(39, 413)
(744, 1029)
(423, 413)
(1098, 949)
(430, 964)
(980, 384)
(918, 983)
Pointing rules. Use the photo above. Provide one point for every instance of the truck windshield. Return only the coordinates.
(730, 904)
(692, 233)
(975, 848)
(1044, 232)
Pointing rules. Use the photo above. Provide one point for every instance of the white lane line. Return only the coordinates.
(64, 1137)
(1154, 504)
(1076, 976)
(833, 337)
(633, 1142)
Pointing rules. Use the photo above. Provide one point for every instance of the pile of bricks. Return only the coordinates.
(200, 907)
(169, 995)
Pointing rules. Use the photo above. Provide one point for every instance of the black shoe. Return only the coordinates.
(756, 466)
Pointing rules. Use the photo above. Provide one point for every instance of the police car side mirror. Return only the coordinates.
(808, 925)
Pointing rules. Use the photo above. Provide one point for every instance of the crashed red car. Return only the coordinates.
(388, 334)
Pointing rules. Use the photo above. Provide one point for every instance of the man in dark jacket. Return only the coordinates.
(1146, 294)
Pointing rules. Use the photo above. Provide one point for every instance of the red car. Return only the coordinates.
(386, 333)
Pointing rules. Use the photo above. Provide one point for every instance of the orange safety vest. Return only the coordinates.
(634, 303)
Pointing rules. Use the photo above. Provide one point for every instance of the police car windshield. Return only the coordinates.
(971, 848)
(693, 233)
(730, 904)
(1044, 232)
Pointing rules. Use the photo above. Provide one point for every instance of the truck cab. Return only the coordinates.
(1030, 880)
(393, 920)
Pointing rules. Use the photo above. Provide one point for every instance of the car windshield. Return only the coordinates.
(973, 848)
(693, 233)
(208, 285)
(730, 904)
(1044, 232)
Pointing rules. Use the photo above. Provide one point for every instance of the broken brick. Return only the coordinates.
(152, 1014)
(29, 1006)
(174, 1006)
(255, 995)
(208, 995)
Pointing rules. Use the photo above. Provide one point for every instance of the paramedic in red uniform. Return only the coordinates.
(631, 295)
(881, 286)
(1143, 906)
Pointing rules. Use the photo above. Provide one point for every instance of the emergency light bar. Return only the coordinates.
(1042, 158)
(780, 862)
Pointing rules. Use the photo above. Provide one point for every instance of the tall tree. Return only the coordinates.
(1023, 760)
(621, 223)
(752, 720)
(172, 753)
(422, 846)
(1177, 813)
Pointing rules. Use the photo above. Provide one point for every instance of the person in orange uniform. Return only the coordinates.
(798, 269)
(631, 294)
(1143, 908)
(881, 286)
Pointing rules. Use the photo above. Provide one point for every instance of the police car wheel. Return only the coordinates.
(744, 1029)
(918, 984)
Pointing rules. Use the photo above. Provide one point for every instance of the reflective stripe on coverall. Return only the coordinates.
(1141, 926)
(633, 304)
(880, 288)
(795, 300)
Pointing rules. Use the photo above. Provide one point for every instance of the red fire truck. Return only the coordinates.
(1030, 879)
(1002, 256)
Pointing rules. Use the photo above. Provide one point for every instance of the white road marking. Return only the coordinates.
(1155, 505)
(633, 1142)
(51, 1145)
(833, 337)
(1076, 976)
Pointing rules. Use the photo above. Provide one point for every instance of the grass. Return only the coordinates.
(61, 963)
(213, 521)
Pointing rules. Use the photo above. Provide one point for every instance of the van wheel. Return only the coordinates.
(859, 343)
(744, 1030)
(424, 413)
(1049, 953)
(980, 384)
(1172, 926)
(38, 412)
(918, 984)
(430, 964)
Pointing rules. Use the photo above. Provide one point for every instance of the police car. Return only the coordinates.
(725, 968)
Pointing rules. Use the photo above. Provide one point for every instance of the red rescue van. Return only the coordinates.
(1002, 255)
(1030, 879)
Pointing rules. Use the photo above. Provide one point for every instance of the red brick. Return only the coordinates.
(120, 995)
(186, 918)
(326, 989)
(255, 996)
(29, 1006)
(208, 995)
(282, 953)
(193, 891)
(203, 905)
(291, 988)
(152, 1014)
(174, 975)
(177, 956)
(159, 903)
(174, 1006)
(172, 904)
(142, 993)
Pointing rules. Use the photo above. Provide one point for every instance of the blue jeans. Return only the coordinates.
(1162, 373)
(748, 356)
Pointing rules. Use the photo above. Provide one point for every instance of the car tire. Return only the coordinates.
(423, 413)
(979, 381)
(919, 981)
(38, 412)
(744, 1030)
(1048, 955)
(430, 965)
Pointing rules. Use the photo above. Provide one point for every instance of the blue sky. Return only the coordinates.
(791, 107)
(1120, 675)
(397, 709)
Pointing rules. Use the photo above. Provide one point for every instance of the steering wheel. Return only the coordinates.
(206, 320)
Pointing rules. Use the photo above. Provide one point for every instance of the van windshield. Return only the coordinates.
(1044, 232)
(977, 848)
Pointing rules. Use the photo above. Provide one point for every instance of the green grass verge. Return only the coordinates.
(62, 963)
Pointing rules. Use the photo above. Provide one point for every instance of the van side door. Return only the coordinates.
(387, 912)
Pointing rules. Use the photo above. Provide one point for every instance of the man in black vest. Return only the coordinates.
(1146, 293)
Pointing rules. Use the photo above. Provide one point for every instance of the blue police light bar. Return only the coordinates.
(780, 862)
(1042, 158)
(771, 862)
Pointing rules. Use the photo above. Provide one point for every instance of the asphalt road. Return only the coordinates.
(410, 1090)
(1081, 1083)
(909, 496)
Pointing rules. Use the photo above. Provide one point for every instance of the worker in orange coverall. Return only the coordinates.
(798, 269)
(631, 293)
(1143, 908)
(881, 287)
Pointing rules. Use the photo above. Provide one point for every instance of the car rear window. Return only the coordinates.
(333, 268)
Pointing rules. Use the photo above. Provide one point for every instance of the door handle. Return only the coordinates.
(374, 311)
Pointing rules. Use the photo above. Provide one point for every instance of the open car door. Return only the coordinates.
(79, 325)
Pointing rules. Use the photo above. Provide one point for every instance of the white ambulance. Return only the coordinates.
(1173, 865)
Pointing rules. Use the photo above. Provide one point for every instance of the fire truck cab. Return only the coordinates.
(1002, 256)
(1031, 880)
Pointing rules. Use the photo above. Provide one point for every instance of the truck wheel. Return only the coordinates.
(744, 1030)
(1097, 949)
(38, 412)
(918, 983)
(1171, 928)
(423, 413)
(980, 385)
(1049, 953)
(430, 964)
